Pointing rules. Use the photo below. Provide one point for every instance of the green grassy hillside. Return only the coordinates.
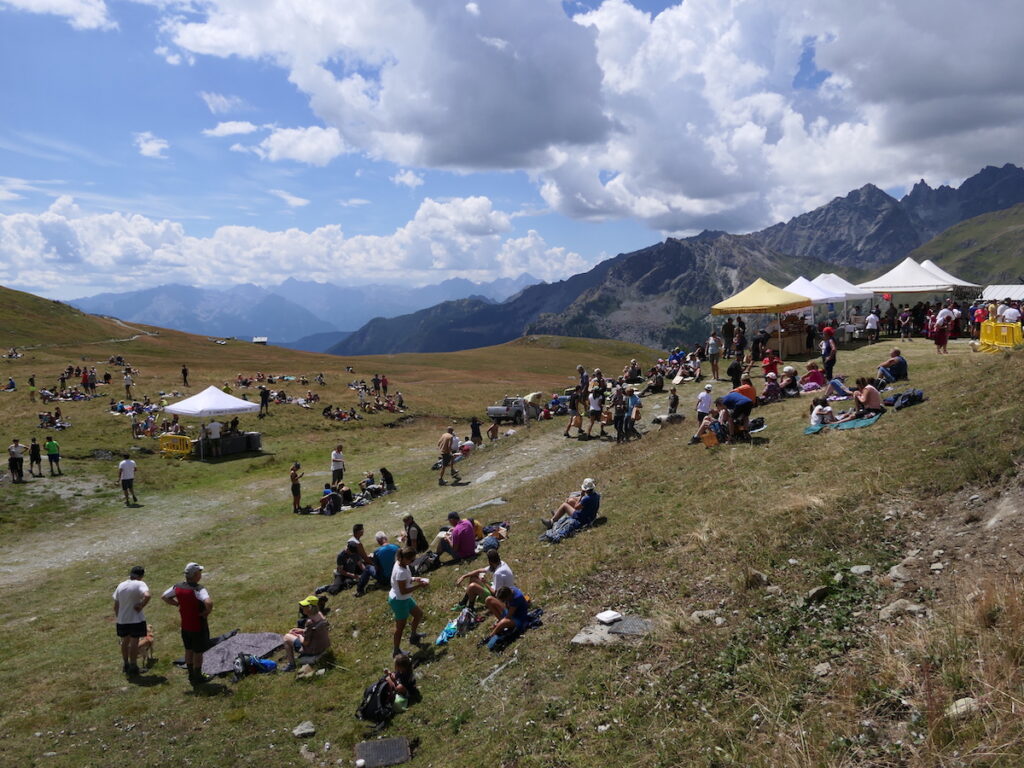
(26, 320)
(688, 527)
(986, 249)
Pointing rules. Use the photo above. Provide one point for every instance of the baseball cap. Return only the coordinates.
(708, 387)
(588, 484)
(193, 568)
(310, 600)
(771, 375)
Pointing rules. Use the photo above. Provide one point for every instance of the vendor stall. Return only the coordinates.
(213, 403)
(763, 298)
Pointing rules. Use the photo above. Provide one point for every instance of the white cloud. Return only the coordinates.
(353, 202)
(220, 104)
(81, 14)
(291, 200)
(473, 9)
(408, 179)
(90, 252)
(174, 58)
(150, 145)
(231, 128)
(313, 145)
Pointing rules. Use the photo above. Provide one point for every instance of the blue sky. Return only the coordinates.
(414, 140)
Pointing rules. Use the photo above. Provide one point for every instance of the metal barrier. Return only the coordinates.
(995, 336)
(176, 445)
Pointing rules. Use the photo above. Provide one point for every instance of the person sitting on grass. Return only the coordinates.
(813, 379)
(388, 480)
(822, 413)
(788, 383)
(837, 389)
(459, 540)
(384, 557)
(739, 407)
(718, 421)
(894, 369)
(575, 512)
(513, 619)
(311, 639)
(347, 572)
(500, 575)
(772, 392)
(402, 681)
(869, 399)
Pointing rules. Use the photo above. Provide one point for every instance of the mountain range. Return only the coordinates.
(299, 314)
(660, 295)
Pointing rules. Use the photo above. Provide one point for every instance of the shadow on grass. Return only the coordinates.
(209, 689)
(147, 681)
(428, 653)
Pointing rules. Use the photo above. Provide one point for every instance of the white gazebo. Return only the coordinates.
(212, 402)
(908, 277)
(935, 269)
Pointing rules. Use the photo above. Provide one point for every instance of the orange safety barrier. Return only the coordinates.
(996, 335)
(177, 445)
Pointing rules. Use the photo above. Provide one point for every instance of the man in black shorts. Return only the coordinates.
(130, 598)
(194, 605)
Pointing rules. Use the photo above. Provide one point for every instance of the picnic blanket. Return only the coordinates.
(220, 659)
(854, 424)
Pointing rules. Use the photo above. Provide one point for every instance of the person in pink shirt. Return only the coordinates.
(460, 539)
(813, 379)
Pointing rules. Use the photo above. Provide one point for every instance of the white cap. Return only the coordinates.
(588, 484)
(708, 387)
(193, 568)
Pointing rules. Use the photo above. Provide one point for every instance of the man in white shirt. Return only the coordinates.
(126, 476)
(1011, 315)
(130, 597)
(16, 461)
(501, 576)
(871, 326)
(213, 430)
(337, 464)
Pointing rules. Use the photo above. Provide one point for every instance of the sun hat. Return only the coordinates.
(588, 484)
(789, 369)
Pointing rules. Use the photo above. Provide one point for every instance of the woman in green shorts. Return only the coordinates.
(400, 598)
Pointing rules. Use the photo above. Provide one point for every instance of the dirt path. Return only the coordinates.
(499, 469)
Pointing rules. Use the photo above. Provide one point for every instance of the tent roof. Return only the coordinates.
(907, 277)
(212, 402)
(833, 282)
(1000, 292)
(815, 293)
(758, 298)
(935, 269)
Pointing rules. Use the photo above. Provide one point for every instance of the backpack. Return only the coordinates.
(246, 664)
(378, 704)
(908, 398)
(425, 563)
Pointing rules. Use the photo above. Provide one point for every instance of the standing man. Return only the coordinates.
(213, 429)
(384, 384)
(53, 454)
(194, 606)
(126, 475)
(35, 458)
(337, 464)
(128, 381)
(184, 374)
(728, 332)
(871, 326)
(376, 383)
(264, 402)
(445, 446)
(16, 461)
(130, 598)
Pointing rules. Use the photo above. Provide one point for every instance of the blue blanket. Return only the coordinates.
(854, 424)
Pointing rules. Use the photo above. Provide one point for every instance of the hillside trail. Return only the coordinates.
(165, 519)
(139, 334)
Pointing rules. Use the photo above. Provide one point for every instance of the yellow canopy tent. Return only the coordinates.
(762, 298)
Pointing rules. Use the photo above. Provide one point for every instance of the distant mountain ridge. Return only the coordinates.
(659, 295)
(298, 314)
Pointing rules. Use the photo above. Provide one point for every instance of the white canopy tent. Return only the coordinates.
(1000, 292)
(907, 277)
(816, 293)
(212, 402)
(831, 282)
(935, 269)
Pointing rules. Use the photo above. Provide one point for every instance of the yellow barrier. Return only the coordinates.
(996, 336)
(178, 445)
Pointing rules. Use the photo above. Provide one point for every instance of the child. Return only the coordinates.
(402, 682)
(813, 379)
(821, 412)
(704, 403)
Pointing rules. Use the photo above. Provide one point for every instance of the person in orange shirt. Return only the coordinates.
(746, 388)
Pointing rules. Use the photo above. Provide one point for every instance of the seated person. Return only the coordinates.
(772, 392)
(347, 497)
(837, 388)
(513, 618)
(718, 421)
(770, 363)
(894, 369)
(813, 379)
(384, 558)
(387, 479)
(822, 413)
(788, 383)
(402, 681)
(459, 540)
(655, 385)
(869, 399)
(369, 485)
(576, 511)
(500, 575)
(330, 502)
(348, 569)
(311, 639)
(746, 388)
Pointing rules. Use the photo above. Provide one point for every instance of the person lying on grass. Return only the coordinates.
(513, 618)
(576, 511)
(500, 576)
(311, 639)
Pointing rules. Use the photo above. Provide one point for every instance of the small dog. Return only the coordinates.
(146, 647)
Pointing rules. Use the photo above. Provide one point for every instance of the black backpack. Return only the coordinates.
(378, 705)
(425, 563)
(908, 398)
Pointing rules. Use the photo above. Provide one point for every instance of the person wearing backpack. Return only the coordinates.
(400, 599)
